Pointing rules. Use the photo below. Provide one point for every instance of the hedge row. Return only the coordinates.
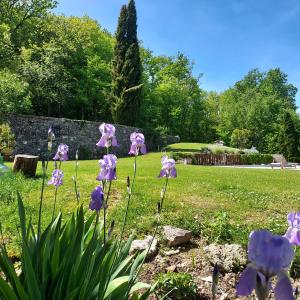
(256, 159)
(245, 159)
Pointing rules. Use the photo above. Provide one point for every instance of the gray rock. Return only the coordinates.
(172, 268)
(171, 252)
(229, 257)
(176, 236)
(141, 245)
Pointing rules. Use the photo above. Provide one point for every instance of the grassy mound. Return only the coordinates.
(199, 147)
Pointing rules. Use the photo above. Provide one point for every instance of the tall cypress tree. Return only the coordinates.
(127, 70)
(121, 46)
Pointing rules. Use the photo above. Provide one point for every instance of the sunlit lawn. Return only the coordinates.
(222, 204)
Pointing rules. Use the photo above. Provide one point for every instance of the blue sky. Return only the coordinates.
(225, 38)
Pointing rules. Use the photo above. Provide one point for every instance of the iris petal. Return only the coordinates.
(247, 282)
(143, 149)
(283, 289)
(162, 173)
(293, 235)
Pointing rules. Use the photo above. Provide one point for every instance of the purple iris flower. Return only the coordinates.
(137, 143)
(108, 168)
(293, 232)
(56, 179)
(270, 255)
(97, 197)
(168, 167)
(108, 136)
(62, 153)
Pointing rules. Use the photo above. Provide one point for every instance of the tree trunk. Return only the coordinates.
(27, 164)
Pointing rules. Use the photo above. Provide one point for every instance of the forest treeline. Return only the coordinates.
(54, 65)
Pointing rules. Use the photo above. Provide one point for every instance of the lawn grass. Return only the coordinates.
(198, 147)
(219, 204)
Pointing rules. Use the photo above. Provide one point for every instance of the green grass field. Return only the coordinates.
(198, 147)
(219, 204)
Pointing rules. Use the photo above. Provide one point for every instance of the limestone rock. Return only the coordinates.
(171, 252)
(171, 268)
(176, 236)
(141, 245)
(229, 257)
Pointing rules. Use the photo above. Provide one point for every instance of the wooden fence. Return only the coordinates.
(217, 159)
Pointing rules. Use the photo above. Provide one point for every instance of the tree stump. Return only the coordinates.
(26, 164)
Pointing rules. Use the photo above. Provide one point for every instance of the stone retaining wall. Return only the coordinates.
(31, 136)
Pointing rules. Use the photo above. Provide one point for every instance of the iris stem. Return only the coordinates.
(129, 198)
(75, 181)
(45, 167)
(164, 193)
(104, 211)
(125, 218)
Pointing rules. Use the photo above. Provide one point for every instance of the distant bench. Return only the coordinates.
(283, 165)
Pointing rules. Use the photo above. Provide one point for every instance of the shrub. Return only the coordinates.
(295, 159)
(240, 138)
(176, 286)
(256, 159)
(205, 150)
(7, 138)
(219, 151)
(183, 155)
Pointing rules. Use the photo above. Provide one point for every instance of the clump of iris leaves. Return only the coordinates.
(71, 261)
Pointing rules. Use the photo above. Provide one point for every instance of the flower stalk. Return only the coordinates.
(75, 178)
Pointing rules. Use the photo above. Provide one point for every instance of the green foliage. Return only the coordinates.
(176, 286)
(255, 103)
(71, 261)
(288, 136)
(7, 138)
(240, 138)
(14, 93)
(172, 96)
(256, 159)
(126, 69)
(6, 46)
(217, 227)
(24, 19)
(295, 268)
(60, 65)
(69, 72)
